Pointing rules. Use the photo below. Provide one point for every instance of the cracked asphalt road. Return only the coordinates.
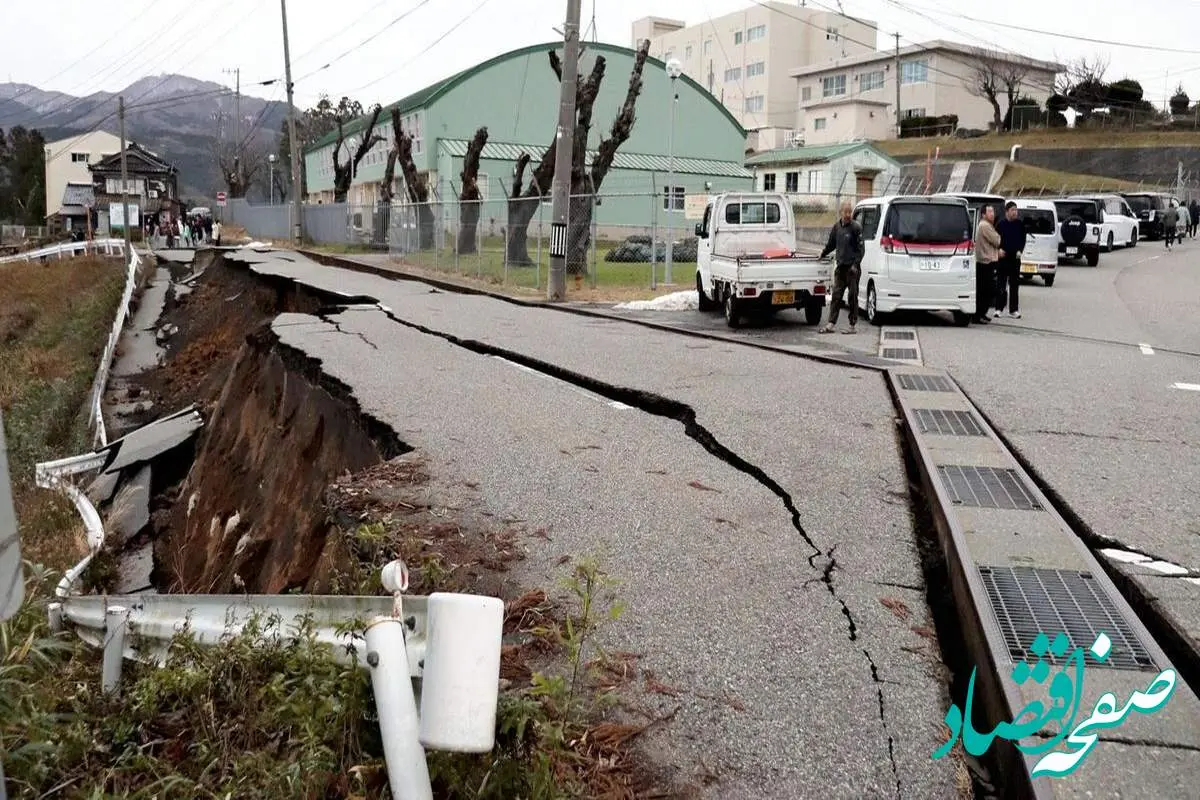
(786, 606)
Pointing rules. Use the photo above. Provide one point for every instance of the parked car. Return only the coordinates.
(1149, 207)
(1079, 223)
(920, 256)
(1040, 256)
(747, 263)
(1119, 222)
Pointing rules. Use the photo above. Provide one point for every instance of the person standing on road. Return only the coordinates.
(1169, 221)
(987, 253)
(1184, 227)
(846, 238)
(216, 234)
(1008, 273)
(1194, 213)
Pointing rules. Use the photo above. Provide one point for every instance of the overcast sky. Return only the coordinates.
(65, 44)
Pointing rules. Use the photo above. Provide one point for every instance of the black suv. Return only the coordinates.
(1150, 207)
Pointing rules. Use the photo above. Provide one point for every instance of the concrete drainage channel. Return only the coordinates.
(1014, 564)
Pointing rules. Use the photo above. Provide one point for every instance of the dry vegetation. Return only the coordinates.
(1021, 179)
(1038, 140)
(54, 319)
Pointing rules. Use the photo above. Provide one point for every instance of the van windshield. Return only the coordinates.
(929, 223)
(1084, 209)
(1139, 202)
(1038, 220)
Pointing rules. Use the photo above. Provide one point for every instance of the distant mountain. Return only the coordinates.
(178, 117)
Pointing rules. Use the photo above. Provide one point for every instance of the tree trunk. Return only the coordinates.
(417, 185)
(470, 199)
(579, 230)
(521, 211)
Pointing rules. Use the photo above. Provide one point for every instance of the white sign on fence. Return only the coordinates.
(116, 215)
(221, 199)
(693, 206)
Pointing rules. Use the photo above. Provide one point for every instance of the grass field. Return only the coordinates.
(1039, 140)
(1025, 179)
(54, 320)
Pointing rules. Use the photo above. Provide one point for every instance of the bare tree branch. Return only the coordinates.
(623, 125)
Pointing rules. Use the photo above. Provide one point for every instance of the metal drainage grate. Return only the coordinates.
(902, 353)
(904, 335)
(1028, 601)
(986, 487)
(925, 383)
(947, 423)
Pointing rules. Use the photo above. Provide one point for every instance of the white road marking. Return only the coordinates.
(1125, 556)
(1191, 387)
(1193, 580)
(1165, 567)
(566, 384)
(1146, 349)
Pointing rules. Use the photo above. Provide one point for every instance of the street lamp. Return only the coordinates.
(674, 70)
(271, 176)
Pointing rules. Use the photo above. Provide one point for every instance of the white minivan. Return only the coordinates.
(920, 256)
(1040, 256)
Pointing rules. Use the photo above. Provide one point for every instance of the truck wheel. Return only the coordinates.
(733, 314)
(1049, 279)
(873, 315)
(1133, 241)
(704, 304)
(812, 312)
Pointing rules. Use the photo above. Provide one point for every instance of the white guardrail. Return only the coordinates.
(108, 247)
(450, 642)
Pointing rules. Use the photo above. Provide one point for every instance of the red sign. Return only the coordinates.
(221, 199)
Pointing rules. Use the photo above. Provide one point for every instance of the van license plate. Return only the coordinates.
(783, 298)
(1029, 268)
(929, 264)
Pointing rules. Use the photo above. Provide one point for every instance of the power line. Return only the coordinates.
(364, 42)
(431, 45)
(327, 39)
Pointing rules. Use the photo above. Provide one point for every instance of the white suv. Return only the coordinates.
(1120, 226)
(919, 255)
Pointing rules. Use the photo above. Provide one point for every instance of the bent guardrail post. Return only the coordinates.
(116, 623)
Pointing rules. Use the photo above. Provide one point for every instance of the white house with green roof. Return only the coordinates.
(516, 96)
(820, 177)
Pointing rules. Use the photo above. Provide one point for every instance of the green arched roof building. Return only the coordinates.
(515, 95)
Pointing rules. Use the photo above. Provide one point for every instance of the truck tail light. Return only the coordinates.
(819, 289)
(887, 244)
(750, 291)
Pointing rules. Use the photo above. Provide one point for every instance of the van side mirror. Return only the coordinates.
(700, 230)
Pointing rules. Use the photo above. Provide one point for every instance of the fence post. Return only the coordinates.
(399, 726)
(115, 618)
(595, 233)
(457, 207)
(537, 269)
(653, 232)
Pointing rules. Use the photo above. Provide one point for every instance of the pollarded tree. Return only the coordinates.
(344, 174)
(416, 184)
(471, 198)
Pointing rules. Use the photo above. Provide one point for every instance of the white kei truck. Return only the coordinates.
(746, 259)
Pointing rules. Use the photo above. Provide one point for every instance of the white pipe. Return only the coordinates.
(114, 647)
(408, 772)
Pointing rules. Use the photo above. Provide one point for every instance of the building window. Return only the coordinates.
(806, 94)
(132, 186)
(707, 46)
(833, 85)
(755, 103)
(814, 181)
(756, 33)
(79, 158)
(831, 33)
(412, 125)
(769, 182)
(670, 54)
(914, 72)
(673, 198)
(819, 124)
(687, 53)
(756, 69)
(792, 182)
(909, 113)
(734, 74)
(870, 80)
(737, 37)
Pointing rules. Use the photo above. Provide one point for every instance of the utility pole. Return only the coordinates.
(237, 146)
(297, 219)
(897, 68)
(556, 287)
(124, 178)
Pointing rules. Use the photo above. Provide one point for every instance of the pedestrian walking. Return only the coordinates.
(1194, 213)
(1170, 220)
(846, 240)
(1184, 228)
(216, 234)
(988, 253)
(1008, 272)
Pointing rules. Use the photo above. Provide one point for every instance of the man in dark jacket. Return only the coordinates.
(846, 238)
(1194, 216)
(1008, 271)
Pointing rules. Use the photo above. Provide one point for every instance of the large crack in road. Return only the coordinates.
(660, 406)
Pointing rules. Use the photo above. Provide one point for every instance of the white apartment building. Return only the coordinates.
(854, 98)
(745, 59)
(67, 163)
